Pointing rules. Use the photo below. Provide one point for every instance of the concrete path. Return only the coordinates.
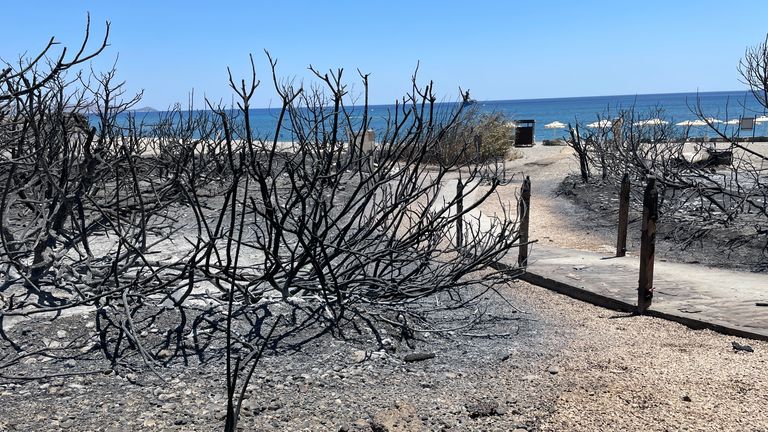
(697, 296)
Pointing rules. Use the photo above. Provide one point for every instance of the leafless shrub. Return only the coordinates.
(135, 218)
(705, 185)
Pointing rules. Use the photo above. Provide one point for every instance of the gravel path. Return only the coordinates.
(554, 221)
(558, 365)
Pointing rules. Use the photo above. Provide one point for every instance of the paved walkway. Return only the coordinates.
(697, 296)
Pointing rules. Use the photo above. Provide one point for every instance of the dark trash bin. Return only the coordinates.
(524, 133)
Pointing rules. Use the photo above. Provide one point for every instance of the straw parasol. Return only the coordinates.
(555, 125)
(604, 123)
(651, 122)
(761, 119)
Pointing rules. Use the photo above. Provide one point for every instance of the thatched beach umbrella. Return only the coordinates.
(761, 119)
(693, 123)
(555, 125)
(604, 123)
(651, 122)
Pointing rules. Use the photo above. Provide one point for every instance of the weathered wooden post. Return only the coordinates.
(648, 245)
(621, 241)
(459, 210)
(524, 211)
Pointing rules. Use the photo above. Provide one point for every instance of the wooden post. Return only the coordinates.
(621, 241)
(648, 245)
(459, 210)
(524, 212)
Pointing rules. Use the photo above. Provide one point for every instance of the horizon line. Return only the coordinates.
(143, 108)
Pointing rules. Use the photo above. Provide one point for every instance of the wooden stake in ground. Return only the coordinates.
(648, 245)
(621, 241)
(524, 212)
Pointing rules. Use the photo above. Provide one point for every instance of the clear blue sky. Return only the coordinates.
(498, 49)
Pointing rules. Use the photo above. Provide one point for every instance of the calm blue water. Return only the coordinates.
(675, 107)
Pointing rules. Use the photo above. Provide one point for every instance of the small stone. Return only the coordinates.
(166, 396)
(686, 398)
(419, 356)
(359, 356)
(378, 427)
(482, 409)
(181, 421)
(164, 354)
(150, 423)
(554, 370)
(70, 363)
(739, 347)
(61, 334)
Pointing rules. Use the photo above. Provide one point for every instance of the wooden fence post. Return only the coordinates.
(459, 210)
(621, 241)
(524, 211)
(648, 245)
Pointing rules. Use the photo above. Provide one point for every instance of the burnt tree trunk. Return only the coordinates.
(648, 245)
(621, 241)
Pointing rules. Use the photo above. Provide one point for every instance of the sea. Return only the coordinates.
(671, 107)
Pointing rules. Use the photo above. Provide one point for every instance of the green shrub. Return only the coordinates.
(493, 132)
